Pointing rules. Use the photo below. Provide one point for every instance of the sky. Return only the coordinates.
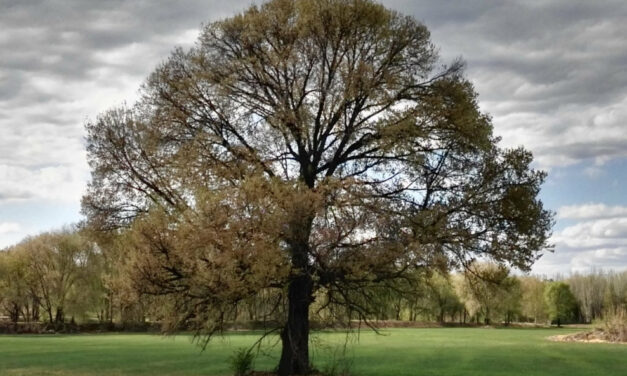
(552, 74)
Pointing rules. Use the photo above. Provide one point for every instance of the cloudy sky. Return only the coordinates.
(552, 73)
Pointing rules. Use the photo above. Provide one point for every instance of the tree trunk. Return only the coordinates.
(14, 313)
(295, 335)
(36, 304)
(60, 316)
(50, 317)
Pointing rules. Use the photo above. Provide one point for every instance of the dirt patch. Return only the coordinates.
(594, 336)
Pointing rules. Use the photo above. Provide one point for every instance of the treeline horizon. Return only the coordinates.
(71, 276)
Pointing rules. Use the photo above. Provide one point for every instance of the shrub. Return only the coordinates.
(616, 325)
(242, 361)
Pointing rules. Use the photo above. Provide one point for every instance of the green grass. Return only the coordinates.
(440, 351)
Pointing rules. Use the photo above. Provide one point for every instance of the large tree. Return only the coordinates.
(314, 148)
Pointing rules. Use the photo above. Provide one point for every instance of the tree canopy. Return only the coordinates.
(310, 148)
(560, 301)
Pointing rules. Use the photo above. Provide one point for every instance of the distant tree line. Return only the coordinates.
(71, 277)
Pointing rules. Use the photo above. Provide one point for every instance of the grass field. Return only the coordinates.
(439, 351)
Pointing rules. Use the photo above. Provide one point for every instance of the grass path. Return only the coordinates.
(439, 351)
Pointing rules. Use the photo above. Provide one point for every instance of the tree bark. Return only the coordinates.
(49, 311)
(60, 316)
(295, 335)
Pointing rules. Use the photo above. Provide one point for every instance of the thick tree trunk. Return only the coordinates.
(295, 335)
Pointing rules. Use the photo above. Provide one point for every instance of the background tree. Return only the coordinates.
(589, 291)
(512, 298)
(114, 297)
(310, 147)
(488, 290)
(62, 266)
(560, 301)
(533, 304)
(15, 295)
(442, 297)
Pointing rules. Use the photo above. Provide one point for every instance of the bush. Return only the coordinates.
(242, 361)
(616, 325)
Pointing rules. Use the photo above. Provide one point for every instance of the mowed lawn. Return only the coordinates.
(437, 351)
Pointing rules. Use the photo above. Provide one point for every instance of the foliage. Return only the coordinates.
(489, 291)
(16, 293)
(589, 289)
(307, 147)
(242, 361)
(615, 324)
(442, 297)
(55, 274)
(560, 301)
(533, 304)
(108, 295)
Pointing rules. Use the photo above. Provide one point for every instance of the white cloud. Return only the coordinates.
(591, 211)
(9, 227)
(598, 240)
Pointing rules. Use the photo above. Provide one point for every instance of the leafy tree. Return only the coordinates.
(533, 305)
(442, 296)
(560, 301)
(512, 300)
(61, 265)
(489, 291)
(114, 298)
(14, 292)
(313, 148)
